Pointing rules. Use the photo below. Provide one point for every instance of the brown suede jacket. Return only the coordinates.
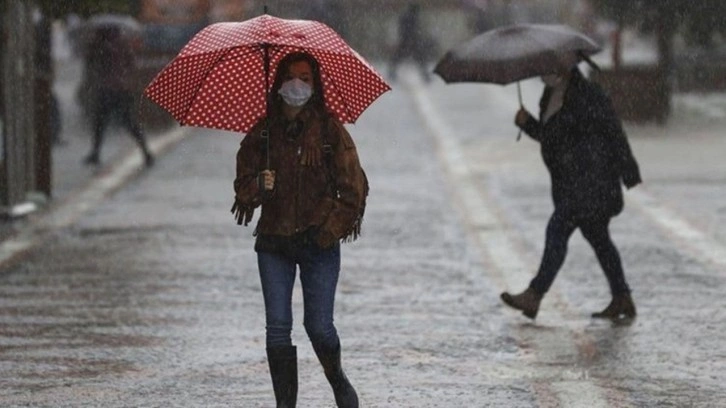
(316, 186)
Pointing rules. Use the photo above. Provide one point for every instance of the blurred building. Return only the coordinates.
(227, 10)
(169, 24)
(371, 26)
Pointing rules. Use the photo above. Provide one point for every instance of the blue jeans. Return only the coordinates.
(319, 270)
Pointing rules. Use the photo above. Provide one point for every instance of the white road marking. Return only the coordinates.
(688, 235)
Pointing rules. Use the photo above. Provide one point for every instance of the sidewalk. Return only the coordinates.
(153, 297)
(668, 236)
(74, 183)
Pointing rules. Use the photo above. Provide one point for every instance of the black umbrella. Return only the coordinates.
(513, 53)
(508, 54)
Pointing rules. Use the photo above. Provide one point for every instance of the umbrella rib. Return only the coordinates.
(201, 85)
(196, 92)
(331, 78)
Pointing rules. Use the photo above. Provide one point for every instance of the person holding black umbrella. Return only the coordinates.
(587, 154)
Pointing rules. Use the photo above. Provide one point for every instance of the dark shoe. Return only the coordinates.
(92, 159)
(283, 370)
(345, 395)
(621, 307)
(527, 301)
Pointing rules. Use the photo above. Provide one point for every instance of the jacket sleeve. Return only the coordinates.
(626, 163)
(351, 184)
(247, 192)
(600, 117)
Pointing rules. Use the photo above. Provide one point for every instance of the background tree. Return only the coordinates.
(698, 21)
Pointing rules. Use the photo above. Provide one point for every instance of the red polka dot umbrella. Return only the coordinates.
(219, 81)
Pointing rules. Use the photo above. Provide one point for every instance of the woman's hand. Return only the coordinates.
(522, 117)
(267, 180)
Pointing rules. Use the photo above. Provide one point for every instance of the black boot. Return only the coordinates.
(345, 395)
(621, 307)
(527, 301)
(283, 370)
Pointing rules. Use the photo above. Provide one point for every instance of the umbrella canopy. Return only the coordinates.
(508, 54)
(222, 77)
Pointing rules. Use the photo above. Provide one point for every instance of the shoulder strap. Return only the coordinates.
(265, 146)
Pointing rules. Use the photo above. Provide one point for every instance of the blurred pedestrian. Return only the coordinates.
(302, 168)
(588, 156)
(413, 42)
(110, 69)
(74, 30)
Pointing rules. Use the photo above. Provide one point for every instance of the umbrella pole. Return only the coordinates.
(268, 107)
(519, 93)
(521, 106)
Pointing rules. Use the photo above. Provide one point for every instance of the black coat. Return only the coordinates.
(585, 150)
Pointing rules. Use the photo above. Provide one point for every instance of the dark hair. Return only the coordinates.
(317, 100)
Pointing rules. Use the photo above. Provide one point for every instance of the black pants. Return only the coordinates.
(596, 232)
(119, 102)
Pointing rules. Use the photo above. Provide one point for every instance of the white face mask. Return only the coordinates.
(295, 92)
(552, 79)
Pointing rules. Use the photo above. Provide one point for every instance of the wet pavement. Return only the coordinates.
(147, 294)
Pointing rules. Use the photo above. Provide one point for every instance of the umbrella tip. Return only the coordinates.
(264, 9)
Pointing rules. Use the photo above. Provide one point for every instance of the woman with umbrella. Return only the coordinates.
(297, 162)
(312, 193)
(587, 154)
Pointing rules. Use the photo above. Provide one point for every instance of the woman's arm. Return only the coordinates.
(531, 126)
(351, 185)
(246, 183)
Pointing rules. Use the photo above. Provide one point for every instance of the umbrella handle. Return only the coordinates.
(266, 135)
(266, 194)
